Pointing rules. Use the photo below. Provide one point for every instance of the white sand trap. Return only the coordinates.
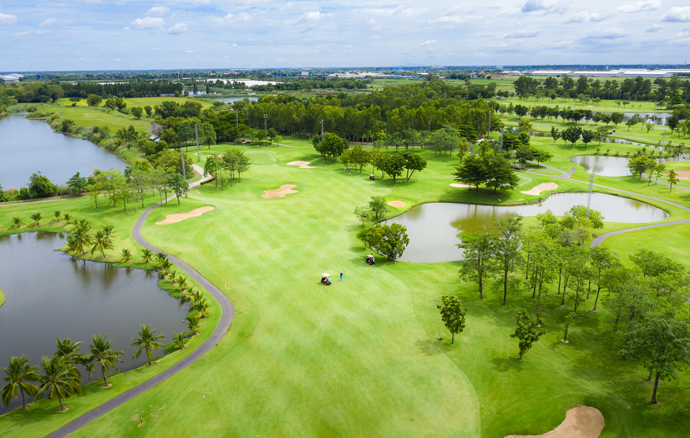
(301, 164)
(397, 203)
(580, 422)
(460, 185)
(179, 217)
(536, 191)
(285, 189)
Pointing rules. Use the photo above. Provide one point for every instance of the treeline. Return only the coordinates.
(306, 84)
(42, 92)
(673, 90)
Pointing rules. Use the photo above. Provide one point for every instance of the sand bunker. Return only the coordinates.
(683, 174)
(460, 185)
(580, 422)
(179, 217)
(397, 203)
(301, 164)
(285, 189)
(536, 191)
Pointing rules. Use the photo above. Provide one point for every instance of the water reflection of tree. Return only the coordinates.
(473, 218)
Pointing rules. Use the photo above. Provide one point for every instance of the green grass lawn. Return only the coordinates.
(363, 357)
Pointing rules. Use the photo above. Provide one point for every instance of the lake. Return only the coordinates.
(432, 228)
(50, 294)
(27, 146)
(234, 99)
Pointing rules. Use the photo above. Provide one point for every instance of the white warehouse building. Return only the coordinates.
(631, 73)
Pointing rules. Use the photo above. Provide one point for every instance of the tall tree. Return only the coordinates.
(478, 249)
(662, 342)
(453, 315)
(526, 332)
(103, 356)
(18, 375)
(506, 249)
(58, 379)
(377, 205)
(147, 342)
(101, 242)
(471, 171)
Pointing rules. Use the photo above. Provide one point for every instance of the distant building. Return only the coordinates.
(304, 73)
(631, 73)
(13, 77)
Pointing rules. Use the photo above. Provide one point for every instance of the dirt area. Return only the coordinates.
(536, 191)
(460, 185)
(285, 189)
(683, 174)
(397, 203)
(179, 217)
(301, 164)
(580, 422)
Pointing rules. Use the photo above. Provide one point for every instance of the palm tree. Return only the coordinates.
(147, 341)
(179, 341)
(102, 355)
(57, 215)
(193, 325)
(58, 379)
(80, 236)
(108, 230)
(19, 373)
(182, 282)
(36, 217)
(146, 255)
(173, 276)
(195, 295)
(17, 222)
(126, 255)
(161, 257)
(70, 351)
(101, 241)
(201, 306)
(67, 218)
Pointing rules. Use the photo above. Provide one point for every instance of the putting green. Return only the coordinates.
(261, 157)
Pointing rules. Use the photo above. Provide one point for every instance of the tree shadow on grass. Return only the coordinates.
(503, 364)
(429, 347)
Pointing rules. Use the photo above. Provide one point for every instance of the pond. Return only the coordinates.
(234, 99)
(50, 294)
(603, 165)
(432, 228)
(27, 146)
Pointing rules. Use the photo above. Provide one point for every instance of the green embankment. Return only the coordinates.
(2, 298)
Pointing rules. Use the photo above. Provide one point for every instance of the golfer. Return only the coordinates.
(341, 276)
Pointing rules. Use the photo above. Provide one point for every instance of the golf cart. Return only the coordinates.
(371, 260)
(326, 279)
(372, 177)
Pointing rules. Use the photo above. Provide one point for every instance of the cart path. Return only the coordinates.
(228, 313)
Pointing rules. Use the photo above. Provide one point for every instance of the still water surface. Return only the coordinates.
(603, 165)
(235, 99)
(27, 146)
(432, 228)
(49, 294)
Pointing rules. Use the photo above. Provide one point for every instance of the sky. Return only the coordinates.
(226, 34)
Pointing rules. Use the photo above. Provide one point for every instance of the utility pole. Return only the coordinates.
(184, 172)
(266, 125)
(237, 119)
(501, 147)
(321, 129)
(488, 133)
(198, 153)
(589, 196)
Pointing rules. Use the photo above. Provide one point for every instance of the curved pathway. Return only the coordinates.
(223, 325)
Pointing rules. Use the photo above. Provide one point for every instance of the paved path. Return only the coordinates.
(218, 334)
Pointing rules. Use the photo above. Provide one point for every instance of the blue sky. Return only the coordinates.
(124, 34)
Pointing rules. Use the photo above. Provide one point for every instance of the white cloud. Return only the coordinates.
(607, 34)
(649, 5)
(541, 7)
(374, 37)
(178, 29)
(22, 34)
(158, 11)
(521, 34)
(585, 16)
(287, 6)
(455, 19)
(190, 51)
(234, 45)
(311, 16)
(427, 43)
(232, 18)
(48, 22)
(148, 23)
(677, 14)
(8, 19)
(202, 2)
(42, 32)
(654, 28)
